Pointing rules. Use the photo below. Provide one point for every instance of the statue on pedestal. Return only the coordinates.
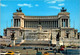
(19, 10)
(63, 10)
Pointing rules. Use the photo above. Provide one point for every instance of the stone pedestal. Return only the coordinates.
(57, 45)
(39, 28)
(13, 42)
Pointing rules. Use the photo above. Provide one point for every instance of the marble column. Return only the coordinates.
(60, 22)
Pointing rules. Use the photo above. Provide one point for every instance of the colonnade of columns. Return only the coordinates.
(64, 22)
(16, 22)
(55, 24)
(30, 24)
(45, 24)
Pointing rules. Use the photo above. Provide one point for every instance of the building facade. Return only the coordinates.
(5, 41)
(42, 29)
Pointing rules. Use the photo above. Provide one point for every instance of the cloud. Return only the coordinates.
(3, 5)
(61, 4)
(53, 1)
(60, 0)
(28, 5)
(36, 5)
(54, 7)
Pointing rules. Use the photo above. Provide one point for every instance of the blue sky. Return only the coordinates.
(38, 8)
